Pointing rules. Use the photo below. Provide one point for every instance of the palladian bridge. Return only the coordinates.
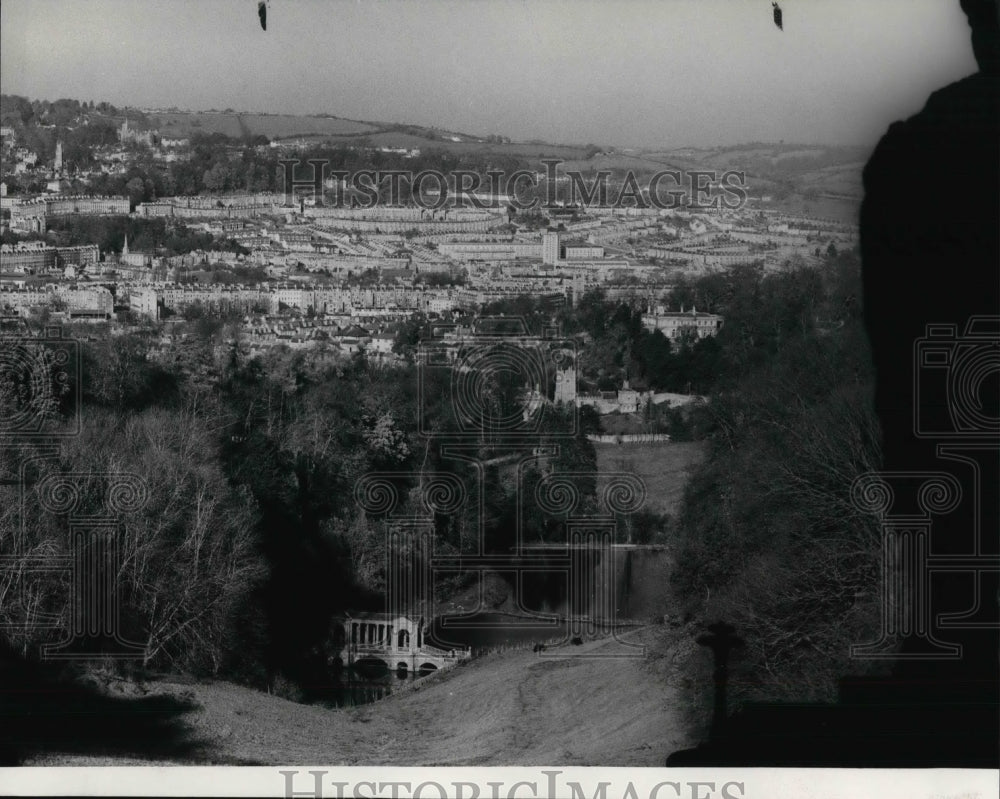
(393, 641)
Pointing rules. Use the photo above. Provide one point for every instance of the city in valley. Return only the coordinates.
(548, 385)
(301, 270)
(575, 325)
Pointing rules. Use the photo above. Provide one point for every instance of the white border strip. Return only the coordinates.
(503, 783)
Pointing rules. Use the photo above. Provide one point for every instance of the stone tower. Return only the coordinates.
(565, 386)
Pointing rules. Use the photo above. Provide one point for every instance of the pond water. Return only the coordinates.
(360, 685)
(485, 631)
(635, 583)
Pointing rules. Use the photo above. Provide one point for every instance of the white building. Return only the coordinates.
(573, 252)
(143, 301)
(673, 324)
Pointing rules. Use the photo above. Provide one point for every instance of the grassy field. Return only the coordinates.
(842, 209)
(277, 126)
(844, 179)
(390, 138)
(663, 468)
(510, 709)
(822, 170)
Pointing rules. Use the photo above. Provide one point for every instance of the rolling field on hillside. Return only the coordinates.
(577, 705)
(278, 126)
(663, 468)
(273, 126)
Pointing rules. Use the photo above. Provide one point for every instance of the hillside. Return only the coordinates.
(663, 468)
(274, 126)
(815, 180)
(514, 708)
(773, 161)
(819, 180)
(330, 128)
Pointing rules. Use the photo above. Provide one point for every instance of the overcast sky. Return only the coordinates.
(615, 72)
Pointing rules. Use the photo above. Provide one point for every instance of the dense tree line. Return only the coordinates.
(768, 539)
(214, 163)
(81, 126)
(251, 538)
(152, 235)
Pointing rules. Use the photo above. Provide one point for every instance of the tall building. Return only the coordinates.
(57, 183)
(127, 134)
(550, 247)
(565, 386)
(128, 258)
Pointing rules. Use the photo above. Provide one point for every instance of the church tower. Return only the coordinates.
(565, 386)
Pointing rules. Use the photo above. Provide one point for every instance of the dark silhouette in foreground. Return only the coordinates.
(874, 724)
(46, 708)
(721, 639)
(930, 239)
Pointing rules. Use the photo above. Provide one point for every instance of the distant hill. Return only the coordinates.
(822, 180)
(333, 129)
(820, 168)
(814, 179)
(274, 126)
(817, 179)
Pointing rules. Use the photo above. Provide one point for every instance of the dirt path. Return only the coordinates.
(582, 705)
